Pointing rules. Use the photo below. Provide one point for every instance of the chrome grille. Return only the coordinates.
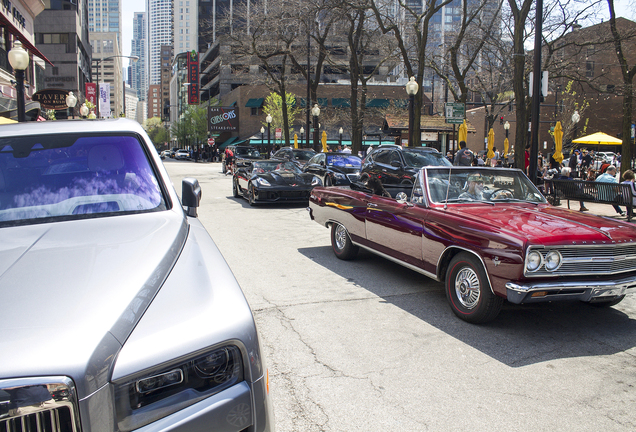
(47, 404)
(51, 420)
(591, 260)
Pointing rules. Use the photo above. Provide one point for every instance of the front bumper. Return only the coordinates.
(557, 290)
(282, 194)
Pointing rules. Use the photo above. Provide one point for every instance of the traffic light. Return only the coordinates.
(501, 120)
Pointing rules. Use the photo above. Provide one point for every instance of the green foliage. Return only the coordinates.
(192, 127)
(274, 107)
(157, 132)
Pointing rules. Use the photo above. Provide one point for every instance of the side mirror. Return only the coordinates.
(190, 195)
(396, 164)
(401, 198)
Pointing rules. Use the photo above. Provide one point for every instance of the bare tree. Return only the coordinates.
(410, 26)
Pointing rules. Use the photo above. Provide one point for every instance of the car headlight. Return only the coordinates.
(149, 396)
(316, 181)
(533, 262)
(340, 176)
(552, 260)
(262, 181)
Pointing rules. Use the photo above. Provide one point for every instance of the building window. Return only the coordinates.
(589, 69)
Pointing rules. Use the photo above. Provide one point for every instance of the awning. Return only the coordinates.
(340, 102)
(28, 45)
(255, 103)
(378, 103)
(227, 142)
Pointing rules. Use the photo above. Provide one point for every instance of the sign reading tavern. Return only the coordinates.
(51, 98)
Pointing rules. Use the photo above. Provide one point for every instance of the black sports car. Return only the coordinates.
(271, 181)
(336, 169)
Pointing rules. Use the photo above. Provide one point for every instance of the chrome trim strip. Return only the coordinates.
(397, 261)
(627, 283)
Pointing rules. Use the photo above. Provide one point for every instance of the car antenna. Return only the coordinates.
(448, 188)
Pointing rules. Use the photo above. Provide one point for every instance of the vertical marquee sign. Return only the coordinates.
(193, 78)
(91, 92)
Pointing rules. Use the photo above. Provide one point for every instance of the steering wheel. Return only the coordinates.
(501, 194)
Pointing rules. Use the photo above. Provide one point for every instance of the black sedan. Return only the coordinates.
(270, 181)
(336, 169)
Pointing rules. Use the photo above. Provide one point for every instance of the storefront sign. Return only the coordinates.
(223, 119)
(104, 99)
(429, 136)
(54, 99)
(193, 78)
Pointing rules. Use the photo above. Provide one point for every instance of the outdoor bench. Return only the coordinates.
(590, 191)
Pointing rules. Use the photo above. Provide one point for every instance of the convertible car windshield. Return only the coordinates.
(344, 161)
(474, 184)
(73, 176)
(246, 152)
(262, 167)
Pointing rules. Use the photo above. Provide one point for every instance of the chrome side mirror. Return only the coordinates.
(401, 198)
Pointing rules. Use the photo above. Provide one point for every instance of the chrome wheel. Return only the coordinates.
(467, 287)
(340, 236)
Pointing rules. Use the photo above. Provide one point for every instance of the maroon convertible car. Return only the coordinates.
(489, 235)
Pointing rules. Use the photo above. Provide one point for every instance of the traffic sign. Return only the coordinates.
(279, 133)
(454, 112)
(211, 141)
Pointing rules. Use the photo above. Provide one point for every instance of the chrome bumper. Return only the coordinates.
(561, 290)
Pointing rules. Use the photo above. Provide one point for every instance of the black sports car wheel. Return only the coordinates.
(235, 191)
(251, 194)
(341, 243)
(468, 290)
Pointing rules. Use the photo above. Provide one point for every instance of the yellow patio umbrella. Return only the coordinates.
(491, 144)
(558, 143)
(4, 120)
(463, 132)
(598, 138)
(296, 141)
(506, 147)
(324, 141)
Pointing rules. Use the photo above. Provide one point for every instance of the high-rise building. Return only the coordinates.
(104, 16)
(160, 33)
(138, 70)
(64, 24)
(186, 20)
(107, 68)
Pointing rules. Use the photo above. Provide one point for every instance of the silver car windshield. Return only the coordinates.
(449, 185)
(74, 176)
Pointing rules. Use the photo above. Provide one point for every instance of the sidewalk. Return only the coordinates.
(598, 209)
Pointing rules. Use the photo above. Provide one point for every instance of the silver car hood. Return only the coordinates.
(77, 318)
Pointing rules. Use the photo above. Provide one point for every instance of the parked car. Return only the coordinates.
(489, 236)
(157, 333)
(242, 155)
(164, 154)
(298, 156)
(397, 166)
(272, 181)
(335, 169)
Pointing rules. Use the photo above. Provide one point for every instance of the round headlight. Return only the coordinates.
(534, 261)
(552, 260)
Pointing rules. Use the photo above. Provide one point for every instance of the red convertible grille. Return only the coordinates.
(592, 260)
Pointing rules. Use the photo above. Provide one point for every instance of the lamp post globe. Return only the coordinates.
(302, 135)
(83, 110)
(19, 61)
(507, 127)
(71, 101)
(262, 135)
(315, 111)
(411, 89)
(341, 131)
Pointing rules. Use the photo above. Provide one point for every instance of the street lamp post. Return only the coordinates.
(507, 127)
(101, 70)
(340, 131)
(411, 89)
(315, 111)
(268, 119)
(302, 135)
(575, 119)
(71, 101)
(262, 136)
(19, 60)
